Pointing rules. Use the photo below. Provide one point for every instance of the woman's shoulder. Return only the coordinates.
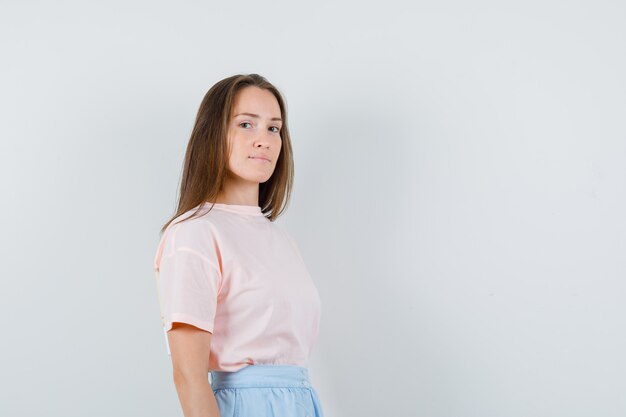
(187, 231)
(198, 230)
(285, 232)
(191, 229)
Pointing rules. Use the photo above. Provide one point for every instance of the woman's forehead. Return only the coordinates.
(256, 102)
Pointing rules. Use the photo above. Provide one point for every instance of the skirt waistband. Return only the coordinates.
(262, 376)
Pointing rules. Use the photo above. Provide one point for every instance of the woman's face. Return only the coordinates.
(253, 135)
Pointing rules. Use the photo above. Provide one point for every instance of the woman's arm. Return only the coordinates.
(190, 348)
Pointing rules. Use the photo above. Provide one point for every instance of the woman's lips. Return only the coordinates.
(259, 159)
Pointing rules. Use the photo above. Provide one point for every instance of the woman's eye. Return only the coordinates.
(273, 127)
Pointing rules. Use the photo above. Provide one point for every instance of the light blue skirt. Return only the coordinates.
(266, 391)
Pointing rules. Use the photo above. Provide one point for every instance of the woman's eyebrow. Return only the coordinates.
(257, 116)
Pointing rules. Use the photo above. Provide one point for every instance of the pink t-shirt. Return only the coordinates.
(236, 274)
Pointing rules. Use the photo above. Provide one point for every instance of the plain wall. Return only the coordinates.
(459, 197)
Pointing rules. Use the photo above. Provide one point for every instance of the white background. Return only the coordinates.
(459, 197)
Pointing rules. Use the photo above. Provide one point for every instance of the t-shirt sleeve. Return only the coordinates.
(189, 277)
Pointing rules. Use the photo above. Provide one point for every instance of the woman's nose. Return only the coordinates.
(265, 138)
(262, 141)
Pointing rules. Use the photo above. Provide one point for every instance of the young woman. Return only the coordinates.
(237, 302)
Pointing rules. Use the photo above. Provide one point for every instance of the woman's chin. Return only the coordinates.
(258, 178)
